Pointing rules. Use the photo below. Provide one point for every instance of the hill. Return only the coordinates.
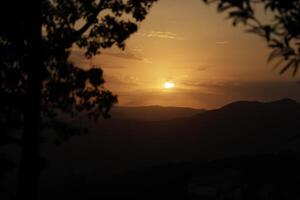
(153, 113)
(121, 145)
(236, 129)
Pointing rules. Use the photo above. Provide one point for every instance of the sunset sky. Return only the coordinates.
(187, 43)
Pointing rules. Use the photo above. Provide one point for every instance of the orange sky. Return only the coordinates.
(186, 42)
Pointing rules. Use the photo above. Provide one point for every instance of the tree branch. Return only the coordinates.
(90, 20)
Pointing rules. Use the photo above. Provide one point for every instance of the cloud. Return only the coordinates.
(77, 57)
(161, 34)
(256, 90)
(202, 68)
(125, 55)
(123, 80)
(222, 42)
(137, 49)
(112, 66)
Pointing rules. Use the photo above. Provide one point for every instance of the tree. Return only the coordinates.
(37, 78)
(282, 33)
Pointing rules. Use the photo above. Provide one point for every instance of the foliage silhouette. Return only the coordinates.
(282, 33)
(38, 80)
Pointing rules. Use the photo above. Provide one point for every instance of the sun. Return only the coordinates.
(169, 85)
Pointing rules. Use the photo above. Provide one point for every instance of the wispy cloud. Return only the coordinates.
(161, 34)
(203, 84)
(261, 90)
(124, 80)
(112, 66)
(222, 42)
(77, 57)
(202, 68)
(137, 49)
(126, 55)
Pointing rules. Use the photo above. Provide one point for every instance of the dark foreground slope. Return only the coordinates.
(263, 177)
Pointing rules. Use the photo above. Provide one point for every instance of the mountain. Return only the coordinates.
(236, 129)
(153, 113)
(241, 128)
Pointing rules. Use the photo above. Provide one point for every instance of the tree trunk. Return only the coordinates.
(33, 62)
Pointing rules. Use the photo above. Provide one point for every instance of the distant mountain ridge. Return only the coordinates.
(286, 102)
(153, 113)
(162, 113)
(239, 128)
(247, 109)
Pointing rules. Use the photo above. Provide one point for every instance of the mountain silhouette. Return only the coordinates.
(120, 145)
(153, 113)
(254, 106)
(235, 129)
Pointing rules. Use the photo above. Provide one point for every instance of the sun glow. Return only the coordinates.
(169, 85)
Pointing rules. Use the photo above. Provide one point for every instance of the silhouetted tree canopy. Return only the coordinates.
(282, 32)
(91, 25)
(37, 78)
